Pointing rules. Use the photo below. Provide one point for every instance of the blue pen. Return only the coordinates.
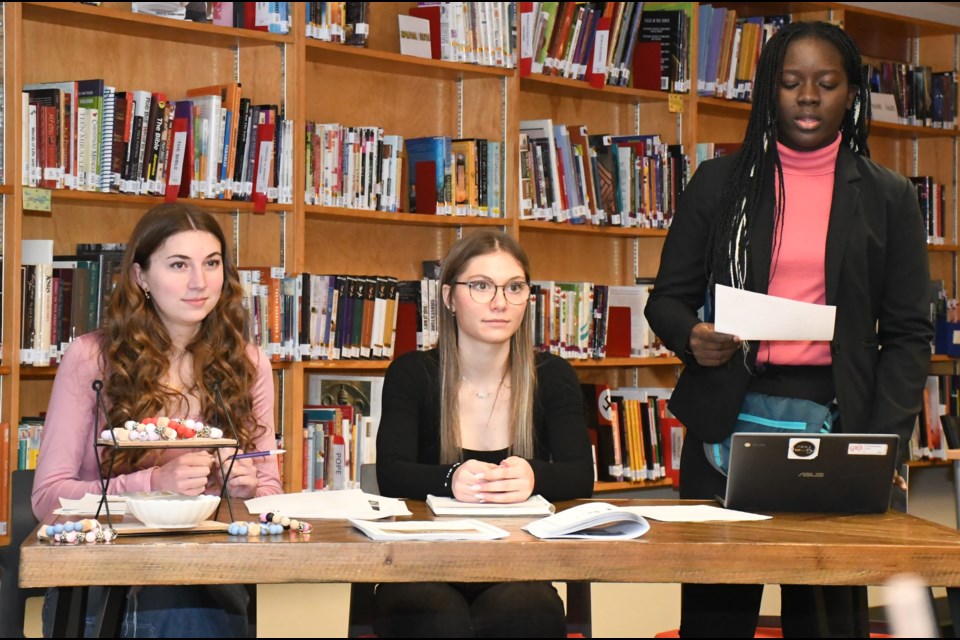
(258, 454)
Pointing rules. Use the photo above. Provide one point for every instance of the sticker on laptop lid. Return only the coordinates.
(866, 449)
(803, 448)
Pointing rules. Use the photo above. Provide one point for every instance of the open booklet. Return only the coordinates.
(592, 520)
(532, 506)
(430, 530)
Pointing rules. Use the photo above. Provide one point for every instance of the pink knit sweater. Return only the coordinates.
(67, 466)
(797, 270)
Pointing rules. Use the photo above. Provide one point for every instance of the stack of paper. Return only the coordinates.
(533, 506)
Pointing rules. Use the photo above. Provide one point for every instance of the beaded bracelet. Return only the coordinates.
(161, 428)
(270, 524)
(88, 530)
(449, 479)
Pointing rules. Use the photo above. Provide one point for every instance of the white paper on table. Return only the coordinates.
(330, 505)
(430, 530)
(755, 316)
(88, 504)
(694, 513)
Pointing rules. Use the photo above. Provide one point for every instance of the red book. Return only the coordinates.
(646, 66)
(671, 437)
(406, 339)
(180, 153)
(432, 14)
(618, 332)
(425, 179)
(528, 21)
(262, 165)
(47, 136)
(256, 16)
(597, 57)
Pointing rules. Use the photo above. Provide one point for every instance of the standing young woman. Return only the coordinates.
(799, 212)
(483, 418)
(174, 330)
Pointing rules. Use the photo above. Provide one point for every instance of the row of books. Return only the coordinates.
(629, 44)
(922, 97)
(328, 317)
(29, 436)
(320, 317)
(932, 198)
(341, 317)
(709, 150)
(567, 175)
(481, 33)
(273, 17)
(940, 398)
(462, 177)
(337, 441)
(581, 320)
(341, 22)
(354, 167)
(87, 136)
(634, 434)
(62, 296)
(728, 50)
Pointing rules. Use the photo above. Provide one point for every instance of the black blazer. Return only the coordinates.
(877, 273)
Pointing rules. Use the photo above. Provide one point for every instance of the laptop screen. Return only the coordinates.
(837, 472)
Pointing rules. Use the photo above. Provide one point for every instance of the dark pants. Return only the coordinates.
(468, 610)
(731, 611)
(183, 611)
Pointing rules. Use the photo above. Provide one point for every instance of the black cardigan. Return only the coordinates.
(408, 440)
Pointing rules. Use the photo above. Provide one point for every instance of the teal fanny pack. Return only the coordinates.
(761, 413)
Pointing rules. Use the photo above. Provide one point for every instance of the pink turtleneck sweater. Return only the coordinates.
(798, 270)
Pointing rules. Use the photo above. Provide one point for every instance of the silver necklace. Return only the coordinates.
(483, 395)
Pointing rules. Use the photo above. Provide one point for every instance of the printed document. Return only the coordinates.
(755, 316)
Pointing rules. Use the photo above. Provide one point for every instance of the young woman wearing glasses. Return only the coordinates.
(482, 418)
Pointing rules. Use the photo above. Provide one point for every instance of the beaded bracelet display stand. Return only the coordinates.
(88, 530)
(158, 430)
(270, 524)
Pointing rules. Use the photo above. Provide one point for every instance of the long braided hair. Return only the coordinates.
(728, 245)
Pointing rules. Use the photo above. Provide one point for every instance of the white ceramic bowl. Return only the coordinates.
(165, 510)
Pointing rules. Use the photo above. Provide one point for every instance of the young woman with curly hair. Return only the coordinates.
(173, 333)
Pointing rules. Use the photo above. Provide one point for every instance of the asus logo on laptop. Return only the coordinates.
(811, 474)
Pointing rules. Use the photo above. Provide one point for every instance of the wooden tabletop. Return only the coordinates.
(790, 548)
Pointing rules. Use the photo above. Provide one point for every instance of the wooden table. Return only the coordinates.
(790, 548)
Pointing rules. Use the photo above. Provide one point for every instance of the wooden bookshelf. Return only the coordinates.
(922, 464)
(399, 219)
(405, 96)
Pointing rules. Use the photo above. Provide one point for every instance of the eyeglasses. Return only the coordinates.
(484, 291)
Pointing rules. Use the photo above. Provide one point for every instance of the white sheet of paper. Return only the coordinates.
(430, 530)
(755, 316)
(330, 505)
(694, 513)
(87, 505)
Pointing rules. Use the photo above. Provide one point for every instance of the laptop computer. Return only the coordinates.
(836, 472)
